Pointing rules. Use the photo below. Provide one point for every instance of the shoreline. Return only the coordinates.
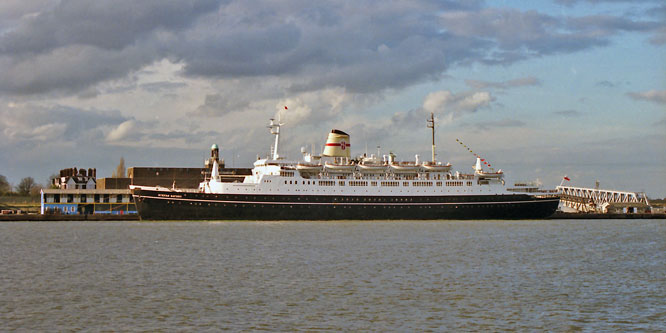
(55, 218)
(135, 217)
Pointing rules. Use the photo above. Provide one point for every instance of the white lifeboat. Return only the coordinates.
(307, 168)
(437, 167)
(372, 168)
(339, 168)
(404, 167)
(495, 175)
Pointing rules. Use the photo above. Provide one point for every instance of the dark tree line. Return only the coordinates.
(27, 186)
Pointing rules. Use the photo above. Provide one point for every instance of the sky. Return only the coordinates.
(541, 89)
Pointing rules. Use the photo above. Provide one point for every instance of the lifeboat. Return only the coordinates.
(495, 175)
(404, 168)
(305, 168)
(340, 168)
(372, 168)
(437, 167)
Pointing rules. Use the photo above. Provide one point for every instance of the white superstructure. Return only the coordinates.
(336, 174)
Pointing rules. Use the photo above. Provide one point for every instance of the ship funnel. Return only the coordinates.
(478, 167)
(337, 144)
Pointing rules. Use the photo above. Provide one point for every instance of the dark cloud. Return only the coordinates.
(365, 46)
(70, 69)
(106, 24)
(77, 43)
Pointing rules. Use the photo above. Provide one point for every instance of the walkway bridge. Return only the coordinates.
(595, 200)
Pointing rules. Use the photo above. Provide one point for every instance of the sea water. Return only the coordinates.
(561, 275)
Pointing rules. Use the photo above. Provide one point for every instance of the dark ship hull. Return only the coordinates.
(173, 205)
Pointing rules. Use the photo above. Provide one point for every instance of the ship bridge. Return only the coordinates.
(596, 200)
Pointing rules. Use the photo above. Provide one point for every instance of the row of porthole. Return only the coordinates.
(360, 183)
(403, 200)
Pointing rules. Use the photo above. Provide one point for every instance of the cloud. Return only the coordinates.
(364, 47)
(69, 69)
(452, 106)
(500, 123)
(606, 83)
(68, 47)
(517, 35)
(29, 123)
(162, 86)
(104, 24)
(659, 37)
(655, 96)
(520, 82)
(568, 113)
(595, 2)
(603, 25)
(123, 131)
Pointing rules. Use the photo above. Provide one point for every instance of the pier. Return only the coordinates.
(592, 200)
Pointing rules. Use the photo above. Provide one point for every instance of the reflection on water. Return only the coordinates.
(486, 275)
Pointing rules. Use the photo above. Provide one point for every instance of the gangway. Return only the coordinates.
(595, 200)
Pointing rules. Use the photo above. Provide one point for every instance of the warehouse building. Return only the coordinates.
(79, 192)
(87, 201)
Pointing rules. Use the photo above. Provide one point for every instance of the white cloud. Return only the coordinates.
(452, 106)
(122, 131)
(44, 133)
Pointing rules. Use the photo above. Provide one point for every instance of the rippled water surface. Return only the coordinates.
(378, 276)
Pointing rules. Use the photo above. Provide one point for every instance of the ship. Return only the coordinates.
(335, 186)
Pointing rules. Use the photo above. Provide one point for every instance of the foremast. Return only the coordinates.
(431, 125)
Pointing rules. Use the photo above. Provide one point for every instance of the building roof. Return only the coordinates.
(85, 191)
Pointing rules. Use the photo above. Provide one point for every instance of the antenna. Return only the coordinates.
(431, 125)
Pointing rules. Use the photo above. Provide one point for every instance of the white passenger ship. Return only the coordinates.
(335, 186)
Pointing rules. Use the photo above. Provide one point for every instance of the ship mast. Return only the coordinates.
(431, 124)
